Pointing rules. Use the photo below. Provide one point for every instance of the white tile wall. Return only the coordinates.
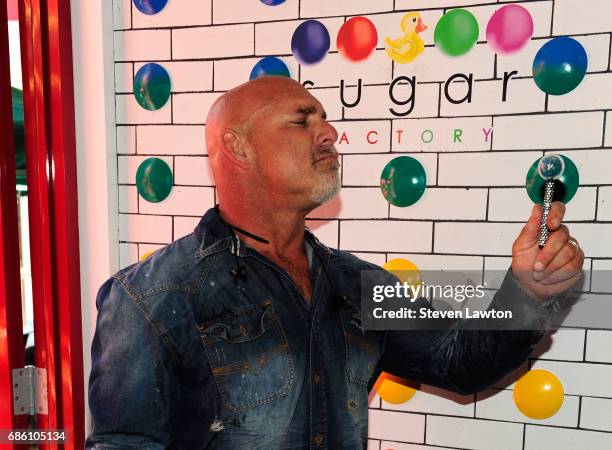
(596, 414)
(129, 45)
(248, 11)
(205, 42)
(499, 405)
(599, 348)
(396, 426)
(571, 17)
(174, 14)
(548, 131)
(475, 203)
(548, 438)
(473, 434)
(129, 112)
(171, 140)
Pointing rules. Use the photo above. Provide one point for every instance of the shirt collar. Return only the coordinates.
(214, 235)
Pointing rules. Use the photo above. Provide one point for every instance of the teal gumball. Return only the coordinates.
(403, 181)
(154, 180)
(560, 66)
(152, 86)
(559, 168)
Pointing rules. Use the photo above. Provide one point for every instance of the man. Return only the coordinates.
(245, 334)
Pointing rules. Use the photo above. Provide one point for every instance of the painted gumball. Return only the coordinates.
(509, 29)
(405, 270)
(538, 394)
(310, 42)
(393, 389)
(152, 86)
(560, 66)
(270, 65)
(357, 39)
(154, 180)
(403, 181)
(565, 175)
(456, 32)
(150, 7)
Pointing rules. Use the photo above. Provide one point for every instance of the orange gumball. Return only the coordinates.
(538, 394)
(146, 255)
(393, 389)
(405, 270)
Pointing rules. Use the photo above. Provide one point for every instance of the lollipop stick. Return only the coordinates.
(546, 204)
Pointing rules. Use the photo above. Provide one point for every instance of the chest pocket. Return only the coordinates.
(363, 349)
(249, 355)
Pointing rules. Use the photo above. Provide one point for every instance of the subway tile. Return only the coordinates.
(551, 438)
(474, 434)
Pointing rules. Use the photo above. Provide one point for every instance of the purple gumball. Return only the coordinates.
(509, 29)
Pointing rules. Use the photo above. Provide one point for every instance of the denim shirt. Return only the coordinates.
(188, 356)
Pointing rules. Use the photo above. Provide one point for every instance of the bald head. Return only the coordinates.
(236, 109)
(266, 140)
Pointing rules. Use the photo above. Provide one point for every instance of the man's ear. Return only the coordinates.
(234, 149)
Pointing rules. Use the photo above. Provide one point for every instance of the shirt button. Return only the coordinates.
(316, 378)
(318, 439)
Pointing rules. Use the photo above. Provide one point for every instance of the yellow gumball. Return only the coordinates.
(405, 270)
(393, 389)
(538, 394)
(146, 255)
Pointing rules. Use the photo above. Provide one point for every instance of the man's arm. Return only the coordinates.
(470, 355)
(132, 386)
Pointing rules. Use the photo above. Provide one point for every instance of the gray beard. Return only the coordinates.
(327, 188)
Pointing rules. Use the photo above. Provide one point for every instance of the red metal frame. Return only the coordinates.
(11, 330)
(46, 50)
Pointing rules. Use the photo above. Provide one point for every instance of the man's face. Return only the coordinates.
(294, 149)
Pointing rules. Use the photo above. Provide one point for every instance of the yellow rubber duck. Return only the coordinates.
(407, 48)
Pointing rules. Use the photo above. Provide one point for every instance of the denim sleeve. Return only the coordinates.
(133, 388)
(466, 357)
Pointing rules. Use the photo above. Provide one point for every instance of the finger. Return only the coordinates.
(555, 216)
(556, 241)
(565, 272)
(530, 232)
(563, 256)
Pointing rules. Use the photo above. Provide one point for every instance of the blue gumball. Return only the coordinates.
(150, 7)
(269, 65)
(272, 2)
(310, 42)
(560, 66)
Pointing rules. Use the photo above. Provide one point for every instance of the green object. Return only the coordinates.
(152, 86)
(403, 181)
(560, 66)
(565, 186)
(154, 180)
(456, 32)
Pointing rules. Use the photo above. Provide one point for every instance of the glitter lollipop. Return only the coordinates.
(550, 168)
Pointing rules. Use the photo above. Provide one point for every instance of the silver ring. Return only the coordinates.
(575, 244)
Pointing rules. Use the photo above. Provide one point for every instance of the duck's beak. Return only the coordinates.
(421, 26)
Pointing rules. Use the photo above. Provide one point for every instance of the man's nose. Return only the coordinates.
(327, 135)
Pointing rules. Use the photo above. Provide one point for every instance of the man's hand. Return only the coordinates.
(556, 267)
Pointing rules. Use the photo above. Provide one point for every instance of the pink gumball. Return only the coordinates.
(509, 29)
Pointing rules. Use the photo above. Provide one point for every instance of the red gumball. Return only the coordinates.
(357, 39)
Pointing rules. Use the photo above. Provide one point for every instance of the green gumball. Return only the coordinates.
(403, 181)
(456, 32)
(154, 180)
(566, 185)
